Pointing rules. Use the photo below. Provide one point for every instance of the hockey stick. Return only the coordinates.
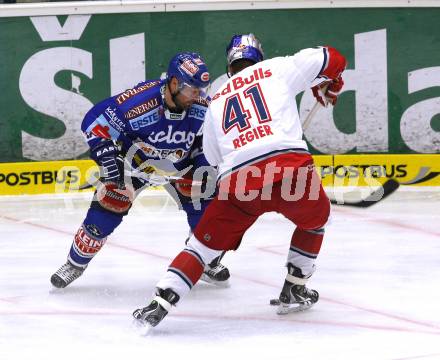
(313, 111)
(84, 186)
(154, 180)
(310, 116)
(384, 191)
(388, 187)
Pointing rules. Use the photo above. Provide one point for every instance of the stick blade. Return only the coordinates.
(387, 189)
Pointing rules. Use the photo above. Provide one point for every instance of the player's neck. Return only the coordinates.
(169, 103)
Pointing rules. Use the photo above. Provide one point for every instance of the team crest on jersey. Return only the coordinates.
(189, 67)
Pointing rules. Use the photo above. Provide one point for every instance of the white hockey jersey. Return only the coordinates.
(216, 84)
(254, 116)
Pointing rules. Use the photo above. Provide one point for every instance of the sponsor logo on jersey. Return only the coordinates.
(173, 155)
(174, 116)
(238, 82)
(141, 109)
(172, 137)
(113, 119)
(145, 120)
(197, 112)
(189, 67)
(127, 94)
(102, 129)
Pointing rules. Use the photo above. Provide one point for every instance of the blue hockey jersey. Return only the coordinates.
(139, 116)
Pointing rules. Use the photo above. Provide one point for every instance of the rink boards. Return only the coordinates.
(335, 170)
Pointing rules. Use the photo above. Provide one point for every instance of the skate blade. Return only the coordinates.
(284, 309)
(288, 308)
(220, 284)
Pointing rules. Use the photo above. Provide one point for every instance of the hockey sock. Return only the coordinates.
(183, 273)
(84, 247)
(304, 249)
(188, 265)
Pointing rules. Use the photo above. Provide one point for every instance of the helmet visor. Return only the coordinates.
(193, 92)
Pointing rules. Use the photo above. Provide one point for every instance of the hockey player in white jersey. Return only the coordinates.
(241, 48)
(253, 134)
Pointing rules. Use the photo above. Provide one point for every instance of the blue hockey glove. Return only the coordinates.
(105, 155)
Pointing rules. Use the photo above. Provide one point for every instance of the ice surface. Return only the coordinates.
(378, 276)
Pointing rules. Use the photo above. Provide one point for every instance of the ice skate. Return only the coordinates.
(159, 307)
(295, 296)
(216, 273)
(66, 274)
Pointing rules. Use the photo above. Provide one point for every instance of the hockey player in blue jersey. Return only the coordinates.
(153, 128)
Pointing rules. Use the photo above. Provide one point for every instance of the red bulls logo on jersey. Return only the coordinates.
(239, 81)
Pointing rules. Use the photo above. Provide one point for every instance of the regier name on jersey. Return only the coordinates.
(250, 135)
(237, 83)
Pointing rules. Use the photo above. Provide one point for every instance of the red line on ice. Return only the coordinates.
(393, 223)
(99, 312)
(240, 277)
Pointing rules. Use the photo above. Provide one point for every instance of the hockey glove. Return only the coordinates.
(328, 91)
(187, 187)
(105, 154)
(115, 197)
(112, 194)
(191, 189)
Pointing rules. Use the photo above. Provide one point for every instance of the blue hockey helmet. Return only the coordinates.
(244, 47)
(191, 72)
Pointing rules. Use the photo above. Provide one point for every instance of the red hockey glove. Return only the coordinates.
(327, 91)
(187, 187)
(336, 64)
(115, 197)
(333, 90)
